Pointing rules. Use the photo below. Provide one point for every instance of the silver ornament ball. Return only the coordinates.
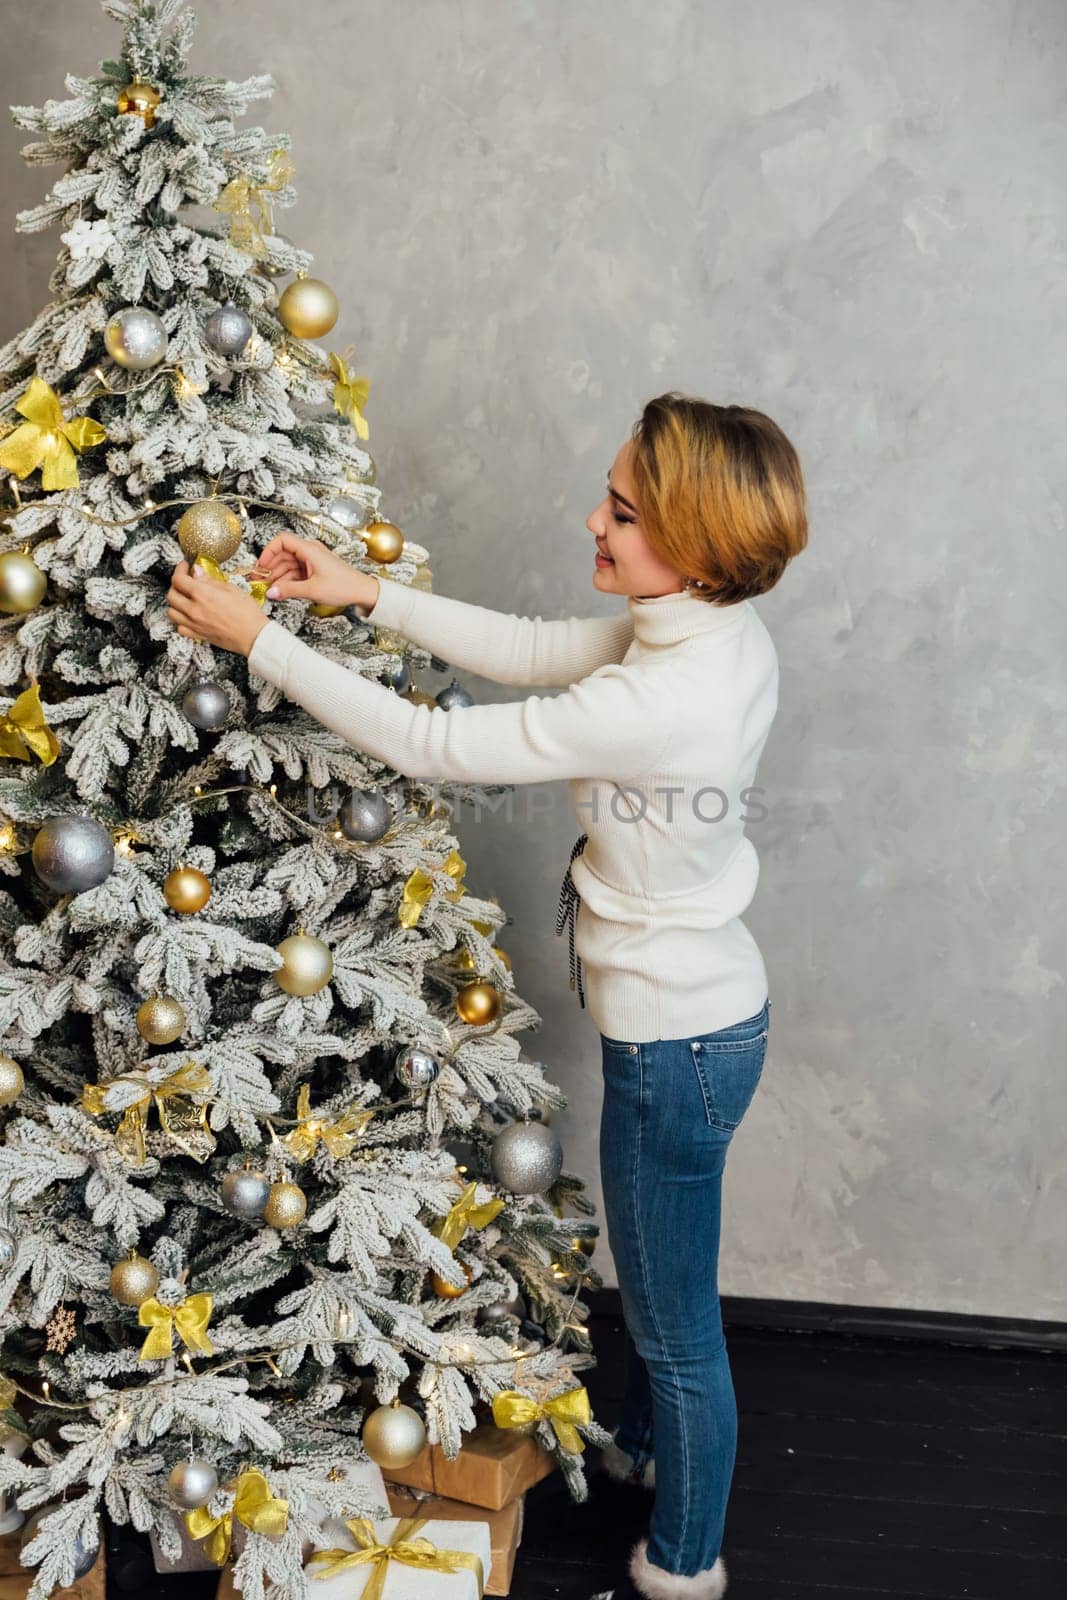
(245, 1193)
(206, 704)
(453, 696)
(135, 339)
(348, 514)
(366, 815)
(399, 678)
(415, 1069)
(192, 1483)
(273, 269)
(8, 1247)
(526, 1158)
(72, 854)
(84, 1554)
(228, 330)
(394, 1435)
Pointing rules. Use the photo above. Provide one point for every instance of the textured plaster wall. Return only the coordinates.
(852, 215)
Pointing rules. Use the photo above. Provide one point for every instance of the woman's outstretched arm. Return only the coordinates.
(613, 725)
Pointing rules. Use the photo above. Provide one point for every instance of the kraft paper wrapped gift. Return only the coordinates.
(396, 1579)
(505, 1527)
(494, 1466)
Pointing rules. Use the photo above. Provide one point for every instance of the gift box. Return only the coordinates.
(494, 1466)
(395, 1578)
(505, 1527)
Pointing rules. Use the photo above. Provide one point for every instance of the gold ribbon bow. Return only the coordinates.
(258, 586)
(190, 1319)
(512, 1410)
(350, 396)
(24, 731)
(338, 1134)
(253, 1505)
(406, 1546)
(251, 218)
(47, 440)
(419, 887)
(466, 1213)
(176, 1123)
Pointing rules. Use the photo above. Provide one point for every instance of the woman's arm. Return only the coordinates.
(498, 644)
(614, 725)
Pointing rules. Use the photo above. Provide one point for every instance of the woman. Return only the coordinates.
(664, 715)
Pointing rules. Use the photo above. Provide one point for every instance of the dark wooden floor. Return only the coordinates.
(866, 1467)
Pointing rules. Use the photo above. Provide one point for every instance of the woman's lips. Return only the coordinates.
(602, 560)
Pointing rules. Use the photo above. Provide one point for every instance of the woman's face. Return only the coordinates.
(631, 567)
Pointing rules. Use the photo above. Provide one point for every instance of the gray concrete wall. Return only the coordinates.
(851, 215)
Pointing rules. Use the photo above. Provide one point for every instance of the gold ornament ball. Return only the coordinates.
(187, 890)
(318, 609)
(22, 583)
(12, 1081)
(133, 1280)
(394, 1435)
(139, 100)
(209, 528)
(160, 1019)
(478, 1003)
(451, 1291)
(308, 964)
(308, 308)
(384, 541)
(286, 1205)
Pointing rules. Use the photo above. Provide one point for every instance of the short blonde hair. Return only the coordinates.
(720, 494)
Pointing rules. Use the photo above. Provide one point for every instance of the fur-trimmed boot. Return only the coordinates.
(643, 1580)
(619, 1464)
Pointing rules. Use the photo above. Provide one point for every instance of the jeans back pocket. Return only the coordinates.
(728, 1071)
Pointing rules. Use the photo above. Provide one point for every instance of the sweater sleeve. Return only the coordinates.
(497, 644)
(613, 725)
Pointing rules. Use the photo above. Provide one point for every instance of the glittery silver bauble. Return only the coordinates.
(366, 815)
(206, 704)
(415, 1069)
(72, 854)
(12, 1081)
(454, 695)
(308, 964)
(526, 1158)
(8, 1248)
(192, 1483)
(348, 514)
(245, 1193)
(504, 1310)
(228, 330)
(135, 338)
(399, 678)
(84, 1554)
(209, 528)
(22, 583)
(394, 1435)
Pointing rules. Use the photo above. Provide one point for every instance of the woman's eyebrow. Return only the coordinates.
(621, 498)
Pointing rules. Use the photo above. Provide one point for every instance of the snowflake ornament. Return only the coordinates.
(88, 239)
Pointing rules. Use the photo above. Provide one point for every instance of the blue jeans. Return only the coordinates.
(670, 1111)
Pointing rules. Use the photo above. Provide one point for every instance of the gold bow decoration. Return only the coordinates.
(466, 1213)
(407, 1546)
(190, 1319)
(47, 440)
(24, 732)
(253, 1505)
(419, 887)
(338, 1134)
(177, 1122)
(258, 586)
(249, 208)
(514, 1410)
(350, 396)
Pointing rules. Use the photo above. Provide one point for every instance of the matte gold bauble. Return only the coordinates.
(186, 890)
(22, 583)
(384, 541)
(394, 1435)
(133, 1280)
(451, 1291)
(160, 1019)
(12, 1081)
(308, 964)
(139, 100)
(286, 1205)
(317, 609)
(209, 528)
(478, 1003)
(308, 308)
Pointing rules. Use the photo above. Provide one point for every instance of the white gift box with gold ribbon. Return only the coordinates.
(401, 1558)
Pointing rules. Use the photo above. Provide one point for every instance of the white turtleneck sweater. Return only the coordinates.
(664, 715)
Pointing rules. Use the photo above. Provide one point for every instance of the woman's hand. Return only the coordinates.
(212, 612)
(306, 569)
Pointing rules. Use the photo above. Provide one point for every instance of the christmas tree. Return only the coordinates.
(277, 1185)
